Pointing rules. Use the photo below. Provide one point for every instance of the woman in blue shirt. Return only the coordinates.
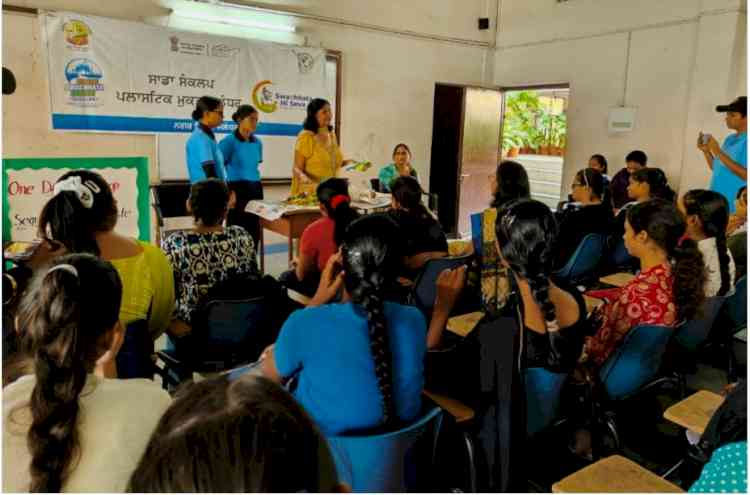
(243, 153)
(359, 362)
(204, 159)
(401, 167)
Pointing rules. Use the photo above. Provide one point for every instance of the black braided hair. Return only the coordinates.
(712, 209)
(370, 260)
(526, 231)
(66, 315)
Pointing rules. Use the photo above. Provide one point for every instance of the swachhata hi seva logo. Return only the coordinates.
(77, 34)
(84, 82)
(263, 97)
(269, 101)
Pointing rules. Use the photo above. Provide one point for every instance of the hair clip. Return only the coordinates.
(84, 192)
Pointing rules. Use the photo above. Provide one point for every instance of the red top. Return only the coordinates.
(647, 300)
(317, 241)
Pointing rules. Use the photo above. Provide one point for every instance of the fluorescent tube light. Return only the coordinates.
(238, 22)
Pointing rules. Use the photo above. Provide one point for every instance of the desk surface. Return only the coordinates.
(460, 411)
(615, 474)
(695, 412)
(617, 279)
(462, 325)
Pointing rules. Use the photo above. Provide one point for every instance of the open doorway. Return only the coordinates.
(534, 133)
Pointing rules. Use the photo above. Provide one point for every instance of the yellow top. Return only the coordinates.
(147, 283)
(321, 161)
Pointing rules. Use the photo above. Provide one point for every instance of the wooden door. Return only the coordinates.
(480, 149)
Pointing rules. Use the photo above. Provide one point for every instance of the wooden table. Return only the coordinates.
(614, 474)
(695, 412)
(460, 411)
(462, 325)
(291, 225)
(617, 279)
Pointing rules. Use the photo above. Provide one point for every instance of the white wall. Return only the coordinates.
(685, 57)
(679, 68)
(388, 78)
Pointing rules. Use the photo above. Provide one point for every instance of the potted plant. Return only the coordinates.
(512, 137)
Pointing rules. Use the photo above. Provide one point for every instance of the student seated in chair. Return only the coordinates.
(635, 160)
(422, 236)
(720, 455)
(321, 239)
(707, 214)
(588, 215)
(82, 215)
(554, 318)
(643, 185)
(668, 289)
(359, 363)
(244, 436)
(511, 182)
(70, 425)
(207, 255)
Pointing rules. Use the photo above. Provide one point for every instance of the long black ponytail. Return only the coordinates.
(526, 231)
(66, 313)
(713, 211)
(370, 260)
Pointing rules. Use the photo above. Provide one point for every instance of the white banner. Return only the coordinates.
(111, 75)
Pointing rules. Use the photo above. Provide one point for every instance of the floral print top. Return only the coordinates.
(647, 300)
(202, 260)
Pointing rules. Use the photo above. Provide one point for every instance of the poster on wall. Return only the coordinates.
(121, 76)
(28, 184)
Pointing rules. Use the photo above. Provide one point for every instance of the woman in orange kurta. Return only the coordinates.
(317, 156)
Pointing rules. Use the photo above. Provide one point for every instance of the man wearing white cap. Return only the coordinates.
(728, 162)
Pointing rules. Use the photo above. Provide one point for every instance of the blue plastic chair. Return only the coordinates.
(585, 260)
(230, 332)
(629, 371)
(381, 463)
(543, 391)
(735, 307)
(476, 232)
(635, 362)
(425, 287)
(691, 334)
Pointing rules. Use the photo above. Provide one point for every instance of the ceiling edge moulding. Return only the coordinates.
(260, 7)
(626, 30)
